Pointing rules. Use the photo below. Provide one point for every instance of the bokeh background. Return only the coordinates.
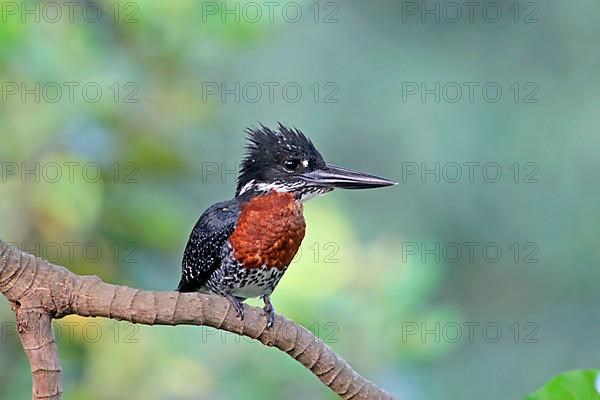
(162, 141)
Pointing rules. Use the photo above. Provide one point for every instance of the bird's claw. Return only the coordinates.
(238, 305)
(269, 311)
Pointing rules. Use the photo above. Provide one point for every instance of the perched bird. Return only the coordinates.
(241, 248)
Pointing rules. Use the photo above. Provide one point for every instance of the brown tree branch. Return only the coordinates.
(40, 291)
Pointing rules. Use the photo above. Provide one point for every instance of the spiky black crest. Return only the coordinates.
(267, 152)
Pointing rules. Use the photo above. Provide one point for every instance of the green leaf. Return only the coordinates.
(573, 385)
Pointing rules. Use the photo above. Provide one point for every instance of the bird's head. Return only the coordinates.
(285, 160)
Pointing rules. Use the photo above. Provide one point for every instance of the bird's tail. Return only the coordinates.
(185, 286)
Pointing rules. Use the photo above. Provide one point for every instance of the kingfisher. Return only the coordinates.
(240, 248)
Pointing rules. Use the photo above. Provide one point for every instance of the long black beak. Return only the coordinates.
(337, 177)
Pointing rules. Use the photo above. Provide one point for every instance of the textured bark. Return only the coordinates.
(40, 291)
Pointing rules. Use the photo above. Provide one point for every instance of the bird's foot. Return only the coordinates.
(269, 310)
(237, 304)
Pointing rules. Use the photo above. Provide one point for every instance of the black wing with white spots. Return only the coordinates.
(202, 254)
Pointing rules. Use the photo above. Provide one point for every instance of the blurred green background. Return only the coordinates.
(152, 132)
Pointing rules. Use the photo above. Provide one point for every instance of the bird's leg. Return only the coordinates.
(237, 304)
(269, 310)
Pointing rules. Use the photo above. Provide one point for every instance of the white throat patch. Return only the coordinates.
(307, 193)
(267, 187)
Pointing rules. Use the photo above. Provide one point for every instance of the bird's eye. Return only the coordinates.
(291, 164)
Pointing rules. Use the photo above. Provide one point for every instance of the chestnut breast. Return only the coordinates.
(269, 231)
